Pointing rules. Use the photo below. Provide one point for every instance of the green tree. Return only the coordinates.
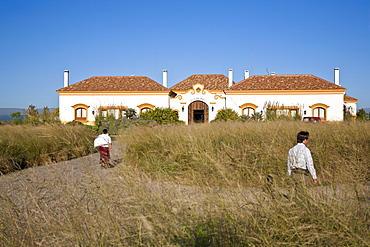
(32, 115)
(56, 112)
(55, 116)
(17, 117)
(362, 115)
(46, 115)
(50, 117)
(227, 114)
(130, 113)
(161, 115)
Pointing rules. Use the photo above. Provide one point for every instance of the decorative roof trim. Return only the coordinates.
(80, 106)
(319, 105)
(251, 105)
(146, 105)
(349, 99)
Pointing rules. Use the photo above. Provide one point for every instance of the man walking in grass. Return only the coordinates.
(300, 163)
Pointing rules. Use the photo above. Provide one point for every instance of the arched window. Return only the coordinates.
(81, 112)
(319, 110)
(145, 107)
(249, 111)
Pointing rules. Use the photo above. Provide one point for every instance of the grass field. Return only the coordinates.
(25, 146)
(219, 184)
(246, 153)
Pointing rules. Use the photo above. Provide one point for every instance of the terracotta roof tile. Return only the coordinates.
(285, 82)
(349, 98)
(115, 83)
(210, 82)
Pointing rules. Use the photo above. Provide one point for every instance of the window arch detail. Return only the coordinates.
(145, 107)
(319, 110)
(81, 112)
(248, 109)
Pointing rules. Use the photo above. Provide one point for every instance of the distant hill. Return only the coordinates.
(5, 112)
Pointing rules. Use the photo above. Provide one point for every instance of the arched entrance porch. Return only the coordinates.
(198, 112)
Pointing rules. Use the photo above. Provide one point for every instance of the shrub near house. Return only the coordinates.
(227, 114)
(161, 115)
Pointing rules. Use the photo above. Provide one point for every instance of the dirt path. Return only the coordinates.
(31, 183)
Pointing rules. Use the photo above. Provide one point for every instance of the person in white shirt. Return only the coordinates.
(104, 149)
(300, 163)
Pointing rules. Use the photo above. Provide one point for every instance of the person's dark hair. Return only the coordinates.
(105, 131)
(303, 135)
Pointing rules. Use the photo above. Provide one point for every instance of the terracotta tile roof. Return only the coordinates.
(349, 98)
(210, 82)
(285, 82)
(115, 83)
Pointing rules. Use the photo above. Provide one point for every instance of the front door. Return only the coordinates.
(198, 112)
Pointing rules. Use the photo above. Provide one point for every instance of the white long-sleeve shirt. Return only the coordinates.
(300, 157)
(107, 140)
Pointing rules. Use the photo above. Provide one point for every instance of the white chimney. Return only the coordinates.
(230, 77)
(246, 74)
(165, 78)
(66, 78)
(336, 76)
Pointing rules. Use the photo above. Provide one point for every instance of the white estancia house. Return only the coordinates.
(198, 98)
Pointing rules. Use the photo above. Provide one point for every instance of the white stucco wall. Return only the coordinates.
(334, 100)
(94, 101)
(351, 107)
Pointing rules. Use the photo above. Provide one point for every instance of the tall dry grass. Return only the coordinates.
(203, 185)
(249, 153)
(25, 146)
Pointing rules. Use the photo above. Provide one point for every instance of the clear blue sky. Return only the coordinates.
(40, 39)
